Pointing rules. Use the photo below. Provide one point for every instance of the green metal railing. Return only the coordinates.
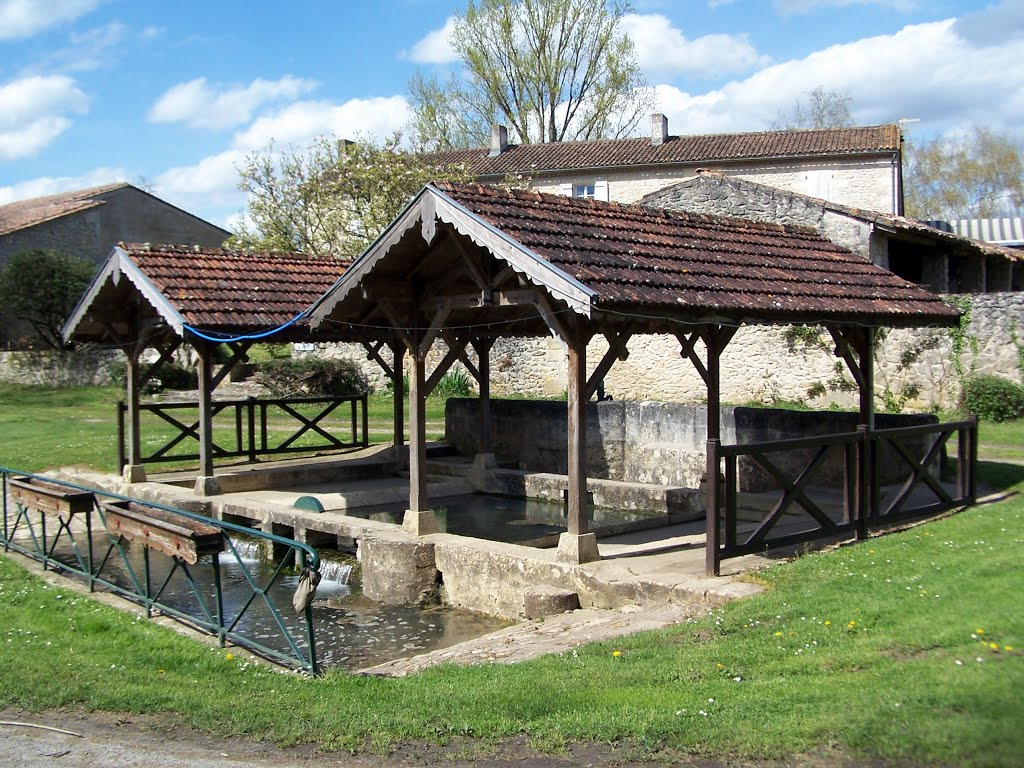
(73, 529)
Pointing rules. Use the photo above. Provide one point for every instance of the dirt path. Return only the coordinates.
(101, 740)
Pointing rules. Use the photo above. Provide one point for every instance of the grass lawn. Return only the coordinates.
(46, 427)
(906, 647)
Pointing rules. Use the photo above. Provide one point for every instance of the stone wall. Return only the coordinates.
(656, 443)
(58, 369)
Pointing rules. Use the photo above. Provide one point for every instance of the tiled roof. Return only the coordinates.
(529, 158)
(672, 195)
(637, 258)
(28, 213)
(216, 288)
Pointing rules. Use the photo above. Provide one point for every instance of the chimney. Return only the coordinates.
(343, 145)
(499, 139)
(659, 129)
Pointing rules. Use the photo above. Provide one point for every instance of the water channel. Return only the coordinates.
(351, 631)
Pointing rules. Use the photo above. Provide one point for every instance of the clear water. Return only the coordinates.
(351, 631)
(500, 518)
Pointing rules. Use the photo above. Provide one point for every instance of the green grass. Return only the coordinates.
(45, 427)
(872, 649)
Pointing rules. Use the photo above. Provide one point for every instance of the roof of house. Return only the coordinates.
(928, 230)
(215, 290)
(633, 263)
(709, 148)
(36, 210)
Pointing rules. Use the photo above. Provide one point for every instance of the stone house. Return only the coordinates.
(941, 260)
(859, 167)
(89, 222)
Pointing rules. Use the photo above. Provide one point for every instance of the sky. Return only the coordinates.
(172, 96)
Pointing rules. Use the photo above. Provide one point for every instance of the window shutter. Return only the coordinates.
(565, 189)
(601, 190)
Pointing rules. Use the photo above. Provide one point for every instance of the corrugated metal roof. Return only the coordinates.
(530, 158)
(1008, 230)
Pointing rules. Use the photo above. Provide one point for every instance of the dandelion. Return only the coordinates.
(1007, 647)
(616, 654)
(851, 624)
(720, 665)
(229, 656)
(979, 631)
(994, 646)
(778, 634)
(828, 623)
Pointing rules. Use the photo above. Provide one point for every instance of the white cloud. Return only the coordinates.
(925, 71)
(803, 6)
(299, 122)
(435, 47)
(201, 105)
(210, 187)
(33, 112)
(88, 50)
(24, 18)
(51, 185)
(662, 49)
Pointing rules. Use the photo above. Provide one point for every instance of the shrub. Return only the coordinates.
(167, 376)
(312, 376)
(992, 398)
(455, 383)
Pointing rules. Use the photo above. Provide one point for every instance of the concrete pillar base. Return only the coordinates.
(207, 486)
(419, 523)
(133, 473)
(577, 549)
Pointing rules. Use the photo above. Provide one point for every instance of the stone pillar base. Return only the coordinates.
(207, 486)
(133, 473)
(577, 549)
(419, 523)
(483, 463)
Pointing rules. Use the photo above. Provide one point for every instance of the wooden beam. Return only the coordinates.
(687, 343)
(453, 354)
(577, 431)
(398, 399)
(133, 386)
(373, 353)
(238, 352)
(418, 501)
(483, 356)
(436, 326)
(557, 325)
(205, 410)
(616, 351)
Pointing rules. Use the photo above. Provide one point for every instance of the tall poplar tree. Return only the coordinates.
(550, 70)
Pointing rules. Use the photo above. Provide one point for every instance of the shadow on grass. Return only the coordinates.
(996, 476)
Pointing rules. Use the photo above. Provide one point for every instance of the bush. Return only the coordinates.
(167, 376)
(992, 398)
(455, 383)
(310, 376)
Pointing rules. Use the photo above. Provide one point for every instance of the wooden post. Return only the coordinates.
(577, 435)
(576, 545)
(866, 353)
(419, 519)
(397, 376)
(713, 381)
(205, 410)
(483, 354)
(132, 401)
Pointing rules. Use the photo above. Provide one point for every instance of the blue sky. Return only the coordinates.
(173, 95)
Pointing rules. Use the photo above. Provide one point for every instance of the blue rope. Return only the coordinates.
(222, 339)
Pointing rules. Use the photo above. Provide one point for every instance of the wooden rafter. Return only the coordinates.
(616, 351)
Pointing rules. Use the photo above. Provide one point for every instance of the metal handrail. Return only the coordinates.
(139, 587)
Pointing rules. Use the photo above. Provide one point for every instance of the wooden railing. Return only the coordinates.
(861, 496)
(249, 428)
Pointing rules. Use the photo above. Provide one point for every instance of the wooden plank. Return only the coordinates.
(174, 535)
(50, 498)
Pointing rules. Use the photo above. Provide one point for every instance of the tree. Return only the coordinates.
(977, 175)
(41, 287)
(550, 70)
(821, 109)
(332, 197)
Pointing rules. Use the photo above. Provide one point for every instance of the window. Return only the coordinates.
(596, 190)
